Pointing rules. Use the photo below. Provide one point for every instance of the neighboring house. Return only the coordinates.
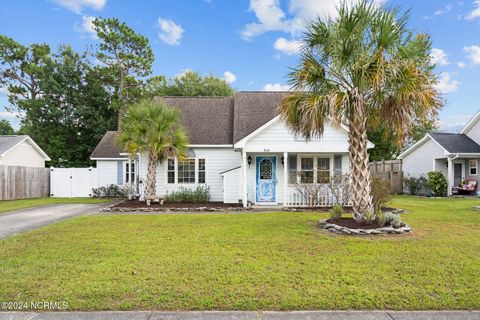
(456, 155)
(239, 148)
(21, 150)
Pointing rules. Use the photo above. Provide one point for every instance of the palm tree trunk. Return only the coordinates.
(362, 199)
(150, 187)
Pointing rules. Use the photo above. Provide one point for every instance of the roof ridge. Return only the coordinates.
(200, 97)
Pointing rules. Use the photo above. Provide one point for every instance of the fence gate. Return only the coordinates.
(72, 182)
(390, 170)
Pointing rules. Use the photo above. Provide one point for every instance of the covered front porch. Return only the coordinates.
(459, 169)
(291, 179)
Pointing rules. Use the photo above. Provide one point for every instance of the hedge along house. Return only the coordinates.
(455, 155)
(241, 149)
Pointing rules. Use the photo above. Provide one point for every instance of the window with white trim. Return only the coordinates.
(323, 170)
(306, 167)
(171, 170)
(129, 172)
(315, 169)
(201, 170)
(473, 167)
(188, 171)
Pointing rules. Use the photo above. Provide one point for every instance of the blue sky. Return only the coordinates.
(251, 43)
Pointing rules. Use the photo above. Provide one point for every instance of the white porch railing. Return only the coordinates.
(316, 196)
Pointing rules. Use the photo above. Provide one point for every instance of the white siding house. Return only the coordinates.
(21, 150)
(456, 155)
(240, 149)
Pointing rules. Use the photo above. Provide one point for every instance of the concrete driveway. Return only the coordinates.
(28, 219)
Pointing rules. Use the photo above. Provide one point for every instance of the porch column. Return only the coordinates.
(285, 179)
(449, 176)
(244, 179)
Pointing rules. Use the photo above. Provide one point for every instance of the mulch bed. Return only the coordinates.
(352, 224)
(140, 204)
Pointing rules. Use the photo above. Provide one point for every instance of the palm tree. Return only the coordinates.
(154, 128)
(363, 69)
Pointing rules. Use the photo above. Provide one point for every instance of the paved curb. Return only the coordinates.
(245, 315)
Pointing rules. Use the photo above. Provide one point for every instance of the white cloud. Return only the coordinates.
(453, 124)
(288, 47)
(439, 57)
(183, 72)
(461, 64)
(170, 33)
(77, 6)
(475, 13)
(446, 84)
(276, 87)
(229, 77)
(86, 26)
(473, 53)
(270, 18)
(3, 91)
(11, 115)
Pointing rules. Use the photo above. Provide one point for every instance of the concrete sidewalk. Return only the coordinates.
(246, 315)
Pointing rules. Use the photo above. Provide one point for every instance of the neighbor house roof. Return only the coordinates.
(452, 143)
(107, 148)
(456, 142)
(8, 142)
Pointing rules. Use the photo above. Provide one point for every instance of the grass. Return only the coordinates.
(248, 262)
(11, 205)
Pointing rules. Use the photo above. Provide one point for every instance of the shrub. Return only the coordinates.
(336, 212)
(391, 219)
(380, 193)
(369, 217)
(110, 191)
(201, 194)
(381, 219)
(414, 185)
(437, 182)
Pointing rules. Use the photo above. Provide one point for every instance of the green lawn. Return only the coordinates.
(248, 261)
(11, 205)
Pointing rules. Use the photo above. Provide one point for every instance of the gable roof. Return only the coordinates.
(107, 147)
(8, 142)
(213, 120)
(456, 142)
(451, 143)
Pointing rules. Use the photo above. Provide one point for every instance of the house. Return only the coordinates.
(21, 150)
(456, 155)
(240, 148)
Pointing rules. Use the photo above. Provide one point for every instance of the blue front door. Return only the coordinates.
(266, 179)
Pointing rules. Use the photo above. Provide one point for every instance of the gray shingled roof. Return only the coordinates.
(456, 142)
(107, 147)
(208, 120)
(212, 120)
(253, 109)
(7, 142)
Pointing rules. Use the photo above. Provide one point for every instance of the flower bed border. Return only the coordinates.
(113, 209)
(335, 228)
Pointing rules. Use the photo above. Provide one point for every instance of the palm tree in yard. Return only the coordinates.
(153, 128)
(363, 68)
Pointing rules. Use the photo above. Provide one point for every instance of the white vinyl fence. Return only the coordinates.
(72, 182)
